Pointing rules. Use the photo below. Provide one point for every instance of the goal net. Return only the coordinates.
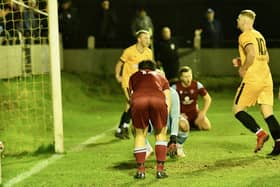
(26, 109)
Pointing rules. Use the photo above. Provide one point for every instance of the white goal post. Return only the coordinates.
(55, 75)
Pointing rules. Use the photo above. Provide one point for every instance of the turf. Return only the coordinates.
(222, 156)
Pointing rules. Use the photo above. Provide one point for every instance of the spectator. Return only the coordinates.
(142, 22)
(212, 33)
(106, 26)
(30, 22)
(167, 55)
(69, 24)
(43, 22)
(13, 21)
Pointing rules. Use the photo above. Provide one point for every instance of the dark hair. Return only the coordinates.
(147, 64)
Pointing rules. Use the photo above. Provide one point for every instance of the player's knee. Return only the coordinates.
(184, 125)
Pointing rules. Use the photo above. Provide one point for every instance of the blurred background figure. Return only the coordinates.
(106, 27)
(12, 25)
(69, 24)
(212, 32)
(142, 22)
(167, 56)
(30, 21)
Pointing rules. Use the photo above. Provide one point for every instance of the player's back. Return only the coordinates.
(259, 71)
(148, 83)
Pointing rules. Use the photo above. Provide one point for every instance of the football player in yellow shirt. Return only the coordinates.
(256, 85)
(125, 67)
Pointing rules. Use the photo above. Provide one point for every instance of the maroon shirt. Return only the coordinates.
(148, 83)
(189, 96)
(148, 100)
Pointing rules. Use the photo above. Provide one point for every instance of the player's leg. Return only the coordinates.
(158, 115)
(140, 118)
(161, 150)
(247, 96)
(140, 151)
(203, 124)
(266, 107)
(122, 131)
(184, 128)
(148, 145)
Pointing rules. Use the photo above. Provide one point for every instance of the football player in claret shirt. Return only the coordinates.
(150, 100)
(126, 66)
(257, 84)
(189, 91)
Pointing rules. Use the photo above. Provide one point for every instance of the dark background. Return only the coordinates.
(183, 16)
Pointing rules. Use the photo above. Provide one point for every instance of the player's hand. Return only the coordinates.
(236, 62)
(171, 146)
(201, 115)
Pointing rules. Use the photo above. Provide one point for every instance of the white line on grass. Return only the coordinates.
(41, 165)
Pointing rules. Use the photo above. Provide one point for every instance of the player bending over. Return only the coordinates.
(149, 100)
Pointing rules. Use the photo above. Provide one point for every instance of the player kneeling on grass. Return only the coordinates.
(189, 91)
(178, 127)
(149, 100)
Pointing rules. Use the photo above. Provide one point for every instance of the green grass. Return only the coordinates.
(25, 114)
(220, 157)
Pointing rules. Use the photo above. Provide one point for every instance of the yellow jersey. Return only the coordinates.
(259, 71)
(131, 57)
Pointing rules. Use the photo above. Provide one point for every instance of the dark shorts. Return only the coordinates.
(151, 108)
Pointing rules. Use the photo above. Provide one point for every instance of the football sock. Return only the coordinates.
(148, 145)
(125, 118)
(161, 150)
(122, 120)
(140, 155)
(248, 121)
(273, 126)
(182, 137)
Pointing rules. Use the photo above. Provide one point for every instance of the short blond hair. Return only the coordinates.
(184, 69)
(248, 13)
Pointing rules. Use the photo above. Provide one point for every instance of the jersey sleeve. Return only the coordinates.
(201, 89)
(124, 56)
(245, 39)
(165, 84)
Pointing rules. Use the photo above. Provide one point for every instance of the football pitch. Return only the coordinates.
(222, 156)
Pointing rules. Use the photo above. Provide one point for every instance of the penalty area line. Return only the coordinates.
(43, 164)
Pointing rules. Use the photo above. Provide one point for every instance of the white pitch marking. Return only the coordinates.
(41, 165)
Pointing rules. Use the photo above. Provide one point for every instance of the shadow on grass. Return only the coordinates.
(223, 164)
(131, 164)
(94, 145)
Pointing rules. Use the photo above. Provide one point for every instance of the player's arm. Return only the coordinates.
(118, 69)
(249, 59)
(206, 104)
(168, 98)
